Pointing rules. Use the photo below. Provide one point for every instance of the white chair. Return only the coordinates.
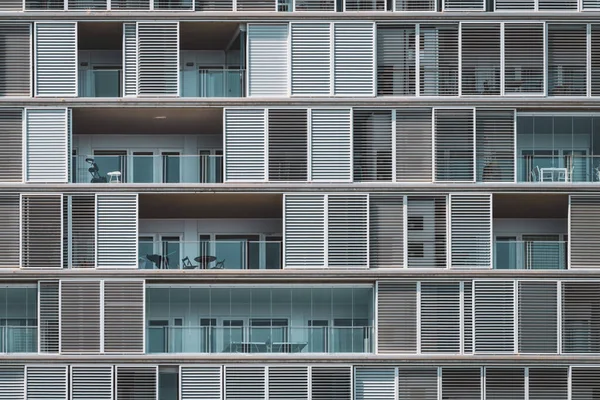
(114, 176)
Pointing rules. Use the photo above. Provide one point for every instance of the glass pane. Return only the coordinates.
(171, 168)
(233, 335)
(108, 164)
(107, 83)
(157, 339)
(172, 252)
(253, 255)
(231, 252)
(145, 248)
(143, 169)
(273, 255)
(234, 83)
(506, 254)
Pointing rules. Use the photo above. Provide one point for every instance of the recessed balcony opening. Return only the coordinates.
(530, 231)
(147, 145)
(210, 231)
(18, 319)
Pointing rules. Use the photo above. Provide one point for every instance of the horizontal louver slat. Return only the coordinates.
(130, 4)
(494, 316)
(12, 382)
(47, 134)
(502, 5)
(538, 309)
(49, 316)
(372, 144)
(331, 145)
(580, 322)
(495, 142)
(83, 231)
(244, 383)
(548, 383)
(80, 316)
(314, 5)
(415, 5)
(268, 60)
(426, 231)
(386, 231)
(567, 60)
(374, 383)
(15, 69)
(464, 5)
(584, 234)
(347, 231)
(480, 59)
(288, 145)
(245, 144)
(130, 53)
(364, 5)
(87, 4)
(92, 382)
(524, 58)
(12, 5)
(256, 5)
(440, 317)
(418, 383)
(158, 55)
(505, 384)
(353, 59)
(56, 59)
(200, 383)
(311, 59)
(397, 317)
(304, 230)
(137, 383)
(124, 316)
(41, 234)
(9, 230)
(438, 59)
(11, 145)
(461, 383)
(288, 383)
(591, 5)
(550, 5)
(214, 5)
(414, 145)
(468, 317)
(471, 230)
(117, 235)
(454, 152)
(585, 383)
(47, 382)
(331, 383)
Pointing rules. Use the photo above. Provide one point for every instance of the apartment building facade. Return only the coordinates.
(299, 199)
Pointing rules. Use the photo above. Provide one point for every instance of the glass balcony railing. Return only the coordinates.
(217, 82)
(293, 339)
(101, 83)
(147, 169)
(213, 255)
(566, 168)
(18, 339)
(530, 255)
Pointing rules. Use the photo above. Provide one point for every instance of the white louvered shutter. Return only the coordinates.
(15, 74)
(200, 382)
(80, 316)
(347, 239)
(130, 63)
(49, 303)
(494, 316)
(580, 333)
(514, 5)
(46, 382)
(12, 382)
(354, 59)
(56, 59)
(92, 382)
(245, 383)
(117, 230)
(538, 317)
(286, 383)
(567, 59)
(480, 57)
(304, 230)
(584, 234)
(12, 5)
(314, 5)
(557, 5)
(124, 316)
(137, 382)
(495, 142)
(471, 230)
(158, 58)
(86, 4)
(414, 145)
(288, 145)
(11, 145)
(461, 383)
(438, 59)
(440, 317)
(590, 4)
(331, 145)
(9, 230)
(396, 60)
(595, 58)
(311, 59)
(419, 383)
(464, 5)
(130, 4)
(46, 145)
(374, 383)
(41, 235)
(454, 139)
(524, 58)
(386, 231)
(396, 317)
(245, 147)
(585, 382)
(372, 145)
(548, 384)
(331, 382)
(212, 5)
(505, 383)
(426, 231)
(268, 60)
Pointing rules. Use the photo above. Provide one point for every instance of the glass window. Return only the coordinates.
(111, 161)
(171, 167)
(171, 251)
(143, 167)
(145, 249)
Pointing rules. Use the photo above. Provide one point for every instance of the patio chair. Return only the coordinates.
(219, 265)
(187, 264)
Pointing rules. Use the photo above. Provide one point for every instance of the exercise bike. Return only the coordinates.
(94, 172)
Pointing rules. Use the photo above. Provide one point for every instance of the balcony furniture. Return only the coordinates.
(553, 174)
(205, 260)
(219, 265)
(95, 172)
(114, 176)
(263, 347)
(287, 347)
(158, 260)
(187, 264)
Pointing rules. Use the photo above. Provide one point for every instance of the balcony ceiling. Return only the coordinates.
(531, 205)
(206, 35)
(100, 35)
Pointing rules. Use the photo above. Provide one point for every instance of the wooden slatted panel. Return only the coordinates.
(83, 231)
(256, 5)
(201, 382)
(92, 382)
(461, 383)
(158, 56)
(426, 232)
(245, 151)
(56, 59)
(464, 5)
(480, 56)
(396, 61)
(41, 234)
(471, 230)
(438, 45)
(80, 316)
(397, 317)
(524, 58)
(124, 316)
(117, 230)
(372, 145)
(386, 231)
(548, 383)
(440, 317)
(311, 59)
(414, 145)
(419, 383)
(130, 4)
(12, 382)
(495, 142)
(49, 316)
(268, 60)
(584, 234)
(15, 69)
(354, 59)
(287, 383)
(47, 139)
(9, 230)
(538, 317)
(46, 382)
(130, 52)
(244, 383)
(585, 383)
(454, 152)
(415, 5)
(517, 5)
(304, 230)
(288, 145)
(11, 145)
(138, 382)
(555, 5)
(214, 5)
(580, 317)
(331, 383)
(347, 238)
(494, 316)
(567, 60)
(331, 145)
(374, 383)
(505, 384)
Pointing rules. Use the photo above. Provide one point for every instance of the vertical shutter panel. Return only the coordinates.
(581, 317)
(502, 5)
(117, 234)
(567, 60)
(46, 145)
(331, 383)
(41, 231)
(584, 234)
(311, 59)
(49, 316)
(124, 316)
(495, 141)
(331, 147)
(538, 317)
(245, 144)
(471, 230)
(440, 317)
(12, 382)
(288, 145)
(80, 316)
(386, 231)
(347, 231)
(15, 71)
(438, 60)
(130, 53)
(47, 382)
(268, 60)
(396, 63)
(464, 5)
(557, 5)
(426, 231)
(397, 317)
(548, 384)
(494, 316)
(304, 230)
(244, 383)
(461, 383)
(374, 383)
(137, 383)
(56, 59)
(454, 136)
(287, 383)
(92, 382)
(11, 144)
(372, 145)
(505, 384)
(130, 4)
(158, 58)
(595, 57)
(200, 383)
(524, 58)
(418, 383)
(414, 145)
(585, 383)
(468, 316)
(9, 230)
(83, 231)
(480, 59)
(353, 58)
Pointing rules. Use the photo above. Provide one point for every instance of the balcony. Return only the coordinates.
(18, 339)
(101, 82)
(540, 167)
(214, 82)
(512, 254)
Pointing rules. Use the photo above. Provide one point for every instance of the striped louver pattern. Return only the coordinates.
(468, 316)
(12, 382)
(124, 316)
(396, 61)
(364, 5)
(454, 153)
(174, 5)
(426, 232)
(130, 52)
(200, 382)
(49, 316)
(495, 142)
(47, 137)
(353, 59)
(46, 382)
(347, 217)
(130, 4)
(567, 60)
(551, 5)
(591, 4)
(311, 59)
(158, 58)
(82, 224)
(245, 151)
(471, 230)
(92, 382)
(304, 230)
(212, 5)
(15, 69)
(502, 5)
(136, 382)
(286, 383)
(386, 231)
(480, 57)
(461, 383)
(268, 60)
(464, 5)
(41, 235)
(87, 4)
(580, 317)
(584, 235)
(58, 5)
(314, 5)
(9, 231)
(523, 58)
(538, 308)
(440, 317)
(12, 5)
(505, 384)
(117, 230)
(331, 383)
(414, 144)
(397, 317)
(80, 316)
(288, 145)
(494, 316)
(438, 59)
(256, 5)
(548, 383)
(374, 383)
(11, 144)
(372, 144)
(585, 383)
(244, 383)
(331, 145)
(56, 59)
(415, 5)
(595, 57)
(418, 383)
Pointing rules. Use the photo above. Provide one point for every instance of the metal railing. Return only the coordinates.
(565, 168)
(101, 83)
(18, 339)
(530, 255)
(292, 339)
(213, 82)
